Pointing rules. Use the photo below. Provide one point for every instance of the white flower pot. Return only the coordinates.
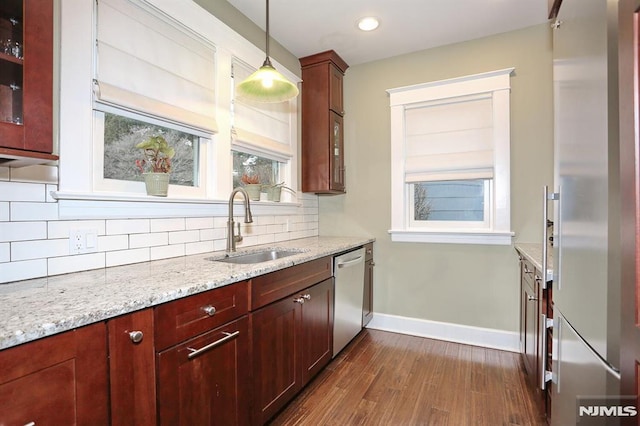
(157, 184)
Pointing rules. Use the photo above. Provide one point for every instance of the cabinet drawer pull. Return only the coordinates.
(136, 336)
(209, 310)
(30, 424)
(531, 298)
(228, 336)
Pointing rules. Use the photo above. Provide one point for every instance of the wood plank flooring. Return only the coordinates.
(386, 378)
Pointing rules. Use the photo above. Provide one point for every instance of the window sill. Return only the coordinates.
(119, 206)
(452, 237)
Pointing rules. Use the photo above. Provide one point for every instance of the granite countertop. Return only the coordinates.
(37, 308)
(533, 252)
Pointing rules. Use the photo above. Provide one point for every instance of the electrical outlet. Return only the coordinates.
(83, 241)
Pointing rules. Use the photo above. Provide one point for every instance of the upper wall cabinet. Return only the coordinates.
(322, 123)
(26, 82)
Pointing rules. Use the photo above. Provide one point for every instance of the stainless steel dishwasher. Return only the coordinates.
(348, 270)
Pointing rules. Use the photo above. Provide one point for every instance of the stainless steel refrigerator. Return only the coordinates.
(586, 282)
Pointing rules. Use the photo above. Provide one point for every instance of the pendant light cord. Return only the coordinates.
(267, 33)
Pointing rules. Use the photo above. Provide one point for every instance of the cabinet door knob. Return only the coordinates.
(136, 336)
(299, 300)
(531, 298)
(306, 296)
(209, 310)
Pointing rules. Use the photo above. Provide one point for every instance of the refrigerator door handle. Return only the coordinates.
(546, 197)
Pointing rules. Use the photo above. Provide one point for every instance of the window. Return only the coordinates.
(261, 135)
(265, 169)
(450, 160)
(137, 66)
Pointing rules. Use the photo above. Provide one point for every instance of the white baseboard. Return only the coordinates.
(476, 336)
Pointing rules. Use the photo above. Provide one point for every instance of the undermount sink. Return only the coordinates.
(256, 257)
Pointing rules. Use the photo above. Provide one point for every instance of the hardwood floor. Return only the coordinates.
(385, 378)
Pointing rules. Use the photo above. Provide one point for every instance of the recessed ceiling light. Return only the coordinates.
(368, 23)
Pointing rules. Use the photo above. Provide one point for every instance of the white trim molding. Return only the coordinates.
(465, 334)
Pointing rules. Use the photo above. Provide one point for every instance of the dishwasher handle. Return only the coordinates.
(349, 262)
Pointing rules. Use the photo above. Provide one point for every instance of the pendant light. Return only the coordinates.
(266, 84)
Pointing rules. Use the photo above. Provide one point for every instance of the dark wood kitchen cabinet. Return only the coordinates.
(26, 82)
(57, 380)
(367, 304)
(132, 371)
(202, 345)
(536, 311)
(322, 156)
(293, 336)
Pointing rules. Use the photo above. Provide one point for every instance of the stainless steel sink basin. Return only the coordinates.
(256, 257)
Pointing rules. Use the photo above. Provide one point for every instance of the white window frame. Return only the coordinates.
(498, 229)
(78, 194)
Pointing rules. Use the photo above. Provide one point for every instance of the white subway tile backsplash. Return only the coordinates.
(61, 228)
(34, 242)
(21, 211)
(221, 222)
(165, 252)
(77, 263)
(4, 211)
(162, 225)
(127, 257)
(178, 237)
(5, 252)
(266, 239)
(198, 223)
(27, 250)
(198, 247)
(219, 245)
(16, 271)
(148, 240)
(51, 188)
(113, 242)
(16, 191)
(128, 226)
(22, 231)
(212, 234)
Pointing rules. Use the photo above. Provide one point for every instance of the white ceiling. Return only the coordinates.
(305, 27)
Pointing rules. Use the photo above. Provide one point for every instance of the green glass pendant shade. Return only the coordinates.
(266, 85)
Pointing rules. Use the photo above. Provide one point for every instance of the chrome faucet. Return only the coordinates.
(231, 238)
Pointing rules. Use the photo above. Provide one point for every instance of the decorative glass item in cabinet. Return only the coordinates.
(11, 61)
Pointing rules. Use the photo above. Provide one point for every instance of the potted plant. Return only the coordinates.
(252, 186)
(275, 191)
(156, 164)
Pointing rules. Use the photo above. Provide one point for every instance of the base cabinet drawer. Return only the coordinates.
(203, 381)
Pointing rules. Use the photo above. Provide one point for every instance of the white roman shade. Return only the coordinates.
(260, 128)
(148, 63)
(449, 139)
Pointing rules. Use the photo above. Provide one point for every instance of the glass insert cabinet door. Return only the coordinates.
(11, 62)
(337, 157)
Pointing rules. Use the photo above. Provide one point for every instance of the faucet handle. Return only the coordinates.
(238, 237)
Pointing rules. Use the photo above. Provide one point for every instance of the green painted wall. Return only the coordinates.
(232, 17)
(476, 285)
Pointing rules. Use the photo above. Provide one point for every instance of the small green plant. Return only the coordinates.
(157, 155)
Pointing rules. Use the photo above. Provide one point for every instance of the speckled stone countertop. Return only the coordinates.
(36, 308)
(533, 252)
